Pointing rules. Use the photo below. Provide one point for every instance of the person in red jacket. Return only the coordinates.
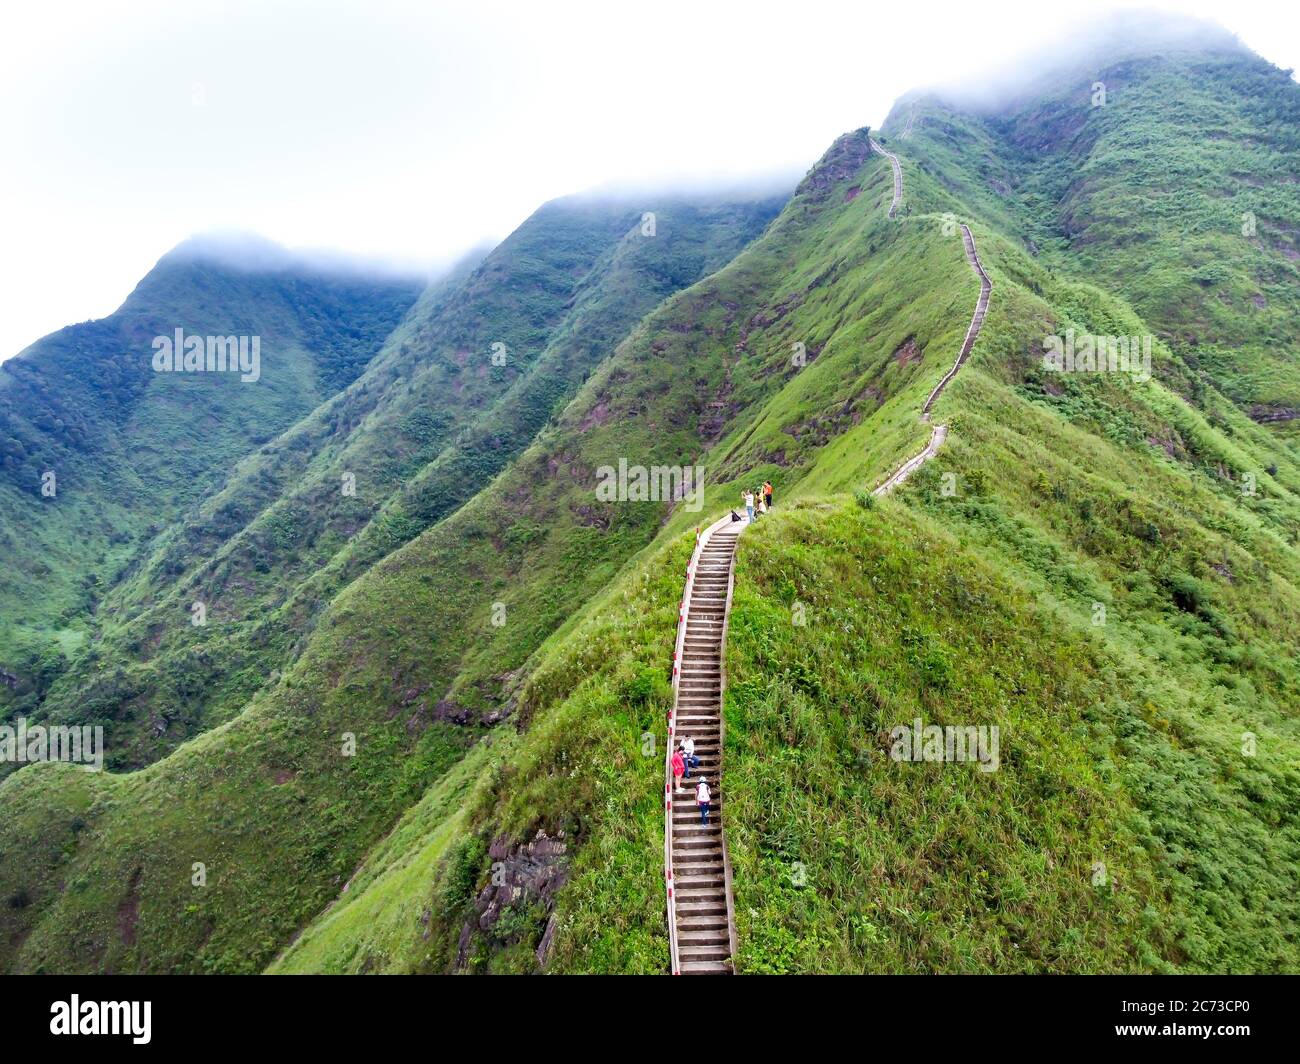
(679, 767)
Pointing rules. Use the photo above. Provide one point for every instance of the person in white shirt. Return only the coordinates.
(703, 796)
(749, 504)
(688, 755)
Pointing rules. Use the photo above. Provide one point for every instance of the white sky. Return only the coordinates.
(415, 130)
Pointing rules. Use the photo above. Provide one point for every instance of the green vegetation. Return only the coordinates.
(131, 449)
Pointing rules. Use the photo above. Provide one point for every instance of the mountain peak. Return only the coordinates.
(249, 252)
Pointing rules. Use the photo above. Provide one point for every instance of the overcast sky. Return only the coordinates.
(412, 131)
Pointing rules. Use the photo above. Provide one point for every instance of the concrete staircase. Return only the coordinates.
(976, 321)
(700, 910)
(898, 175)
(940, 432)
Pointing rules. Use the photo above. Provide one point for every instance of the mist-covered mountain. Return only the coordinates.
(412, 734)
(98, 450)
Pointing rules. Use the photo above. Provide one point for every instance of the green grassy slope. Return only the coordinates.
(380, 664)
(409, 648)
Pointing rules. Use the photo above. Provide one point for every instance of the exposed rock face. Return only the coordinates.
(1265, 414)
(522, 876)
(842, 161)
(427, 710)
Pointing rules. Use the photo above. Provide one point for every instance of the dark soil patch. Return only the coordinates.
(128, 910)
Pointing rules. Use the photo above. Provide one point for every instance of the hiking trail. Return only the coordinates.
(898, 174)
(907, 129)
(697, 870)
(940, 432)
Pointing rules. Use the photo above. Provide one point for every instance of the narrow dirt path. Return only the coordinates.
(697, 872)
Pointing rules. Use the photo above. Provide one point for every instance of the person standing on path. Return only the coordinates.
(703, 796)
(749, 504)
(679, 767)
(767, 492)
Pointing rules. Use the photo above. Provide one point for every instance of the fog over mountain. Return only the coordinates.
(1089, 43)
(408, 132)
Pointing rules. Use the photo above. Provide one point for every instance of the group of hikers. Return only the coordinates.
(757, 501)
(684, 760)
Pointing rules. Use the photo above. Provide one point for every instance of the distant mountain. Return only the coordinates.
(99, 450)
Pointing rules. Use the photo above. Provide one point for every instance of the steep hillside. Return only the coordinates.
(461, 387)
(1168, 179)
(98, 451)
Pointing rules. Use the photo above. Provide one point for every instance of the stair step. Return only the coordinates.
(710, 882)
(704, 968)
(695, 942)
(701, 896)
(694, 866)
(700, 891)
(710, 951)
(710, 910)
(696, 847)
(713, 922)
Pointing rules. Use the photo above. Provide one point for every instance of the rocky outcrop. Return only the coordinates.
(522, 877)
